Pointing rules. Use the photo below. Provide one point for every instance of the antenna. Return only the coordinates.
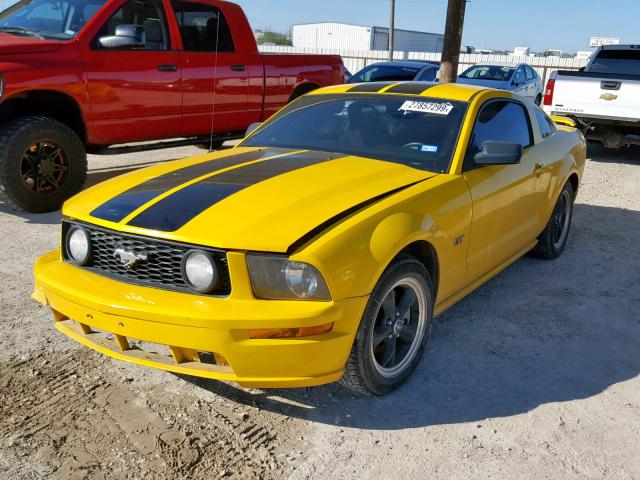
(215, 79)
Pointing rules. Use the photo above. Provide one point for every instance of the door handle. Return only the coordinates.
(167, 68)
(539, 168)
(238, 68)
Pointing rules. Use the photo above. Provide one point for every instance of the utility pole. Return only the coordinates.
(452, 41)
(392, 28)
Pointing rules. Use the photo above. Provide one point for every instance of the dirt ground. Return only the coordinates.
(535, 375)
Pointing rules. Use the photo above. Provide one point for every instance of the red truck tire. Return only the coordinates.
(42, 163)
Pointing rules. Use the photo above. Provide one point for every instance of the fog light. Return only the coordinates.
(199, 271)
(78, 245)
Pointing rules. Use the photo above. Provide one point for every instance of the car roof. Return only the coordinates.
(449, 91)
(405, 64)
(498, 64)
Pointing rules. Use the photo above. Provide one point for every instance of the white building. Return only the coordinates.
(344, 36)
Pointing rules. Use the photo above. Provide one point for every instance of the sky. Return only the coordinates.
(496, 24)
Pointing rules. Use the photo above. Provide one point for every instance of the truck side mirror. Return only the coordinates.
(126, 36)
(252, 128)
(498, 153)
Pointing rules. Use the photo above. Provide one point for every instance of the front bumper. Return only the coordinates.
(189, 330)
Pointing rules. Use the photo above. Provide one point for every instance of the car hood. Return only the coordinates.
(261, 199)
(18, 45)
(502, 84)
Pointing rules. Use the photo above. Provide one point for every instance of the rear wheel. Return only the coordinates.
(42, 163)
(553, 239)
(393, 331)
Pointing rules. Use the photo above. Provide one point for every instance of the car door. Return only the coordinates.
(135, 93)
(506, 199)
(216, 71)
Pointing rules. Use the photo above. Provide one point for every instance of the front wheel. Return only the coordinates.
(42, 163)
(553, 238)
(393, 331)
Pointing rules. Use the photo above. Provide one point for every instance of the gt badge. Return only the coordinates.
(129, 258)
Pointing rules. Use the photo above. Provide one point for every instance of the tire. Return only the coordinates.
(553, 238)
(539, 99)
(42, 163)
(367, 372)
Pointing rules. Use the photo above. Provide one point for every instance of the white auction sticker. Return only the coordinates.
(426, 107)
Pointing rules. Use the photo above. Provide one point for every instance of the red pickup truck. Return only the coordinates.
(81, 75)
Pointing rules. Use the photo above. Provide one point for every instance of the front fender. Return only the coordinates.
(353, 254)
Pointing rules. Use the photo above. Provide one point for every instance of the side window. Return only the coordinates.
(530, 73)
(501, 121)
(547, 127)
(519, 78)
(203, 27)
(149, 14)
(427, 75)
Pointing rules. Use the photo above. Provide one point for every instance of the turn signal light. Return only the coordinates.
(291, 332)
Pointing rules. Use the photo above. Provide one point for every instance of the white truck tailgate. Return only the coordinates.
(590, 95)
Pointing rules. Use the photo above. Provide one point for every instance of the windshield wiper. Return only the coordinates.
(22, 30)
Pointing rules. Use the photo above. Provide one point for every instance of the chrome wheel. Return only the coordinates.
(561, 219)
(399, 328)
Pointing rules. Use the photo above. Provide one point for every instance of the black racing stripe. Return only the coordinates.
(370, 87)
(175, 210)
(124, 204)
(413, 88)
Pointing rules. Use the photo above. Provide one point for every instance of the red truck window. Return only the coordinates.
(203, 27)
(149, 14)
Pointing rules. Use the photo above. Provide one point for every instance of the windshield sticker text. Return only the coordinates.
(426, 107)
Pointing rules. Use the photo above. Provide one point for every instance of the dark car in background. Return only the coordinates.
(397, 71)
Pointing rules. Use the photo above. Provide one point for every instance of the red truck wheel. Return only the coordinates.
(42, 163)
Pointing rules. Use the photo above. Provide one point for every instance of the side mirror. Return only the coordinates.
(252, 128)
(498, 153)
(126, 36)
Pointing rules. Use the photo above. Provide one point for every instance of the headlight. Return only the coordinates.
(277, 278)
(200, 271)
(78, 245)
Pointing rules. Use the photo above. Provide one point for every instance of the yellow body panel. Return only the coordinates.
(477, 223)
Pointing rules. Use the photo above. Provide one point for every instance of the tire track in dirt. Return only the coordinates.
(64, 415)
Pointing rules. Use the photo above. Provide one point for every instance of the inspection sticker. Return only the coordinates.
(429, 148)
(426, 107)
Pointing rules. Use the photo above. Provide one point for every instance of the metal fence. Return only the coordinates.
(354, 60)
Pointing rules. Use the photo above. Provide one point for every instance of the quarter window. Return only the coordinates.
(203, 28)
(501, 121)
(149, 14)
(547, 127)
(530, 73)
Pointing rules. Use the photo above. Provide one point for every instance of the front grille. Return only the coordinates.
(162, 269)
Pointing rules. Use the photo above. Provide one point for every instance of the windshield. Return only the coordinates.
(59, 20)
(488, 72)
(378, 73)
(419, 132)
(625, 62)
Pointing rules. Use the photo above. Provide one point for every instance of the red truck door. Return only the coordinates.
(135, 93)
(229, 82)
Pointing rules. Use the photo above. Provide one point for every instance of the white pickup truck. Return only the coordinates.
(603, 98)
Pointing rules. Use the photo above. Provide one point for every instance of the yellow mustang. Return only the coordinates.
(323, 245)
